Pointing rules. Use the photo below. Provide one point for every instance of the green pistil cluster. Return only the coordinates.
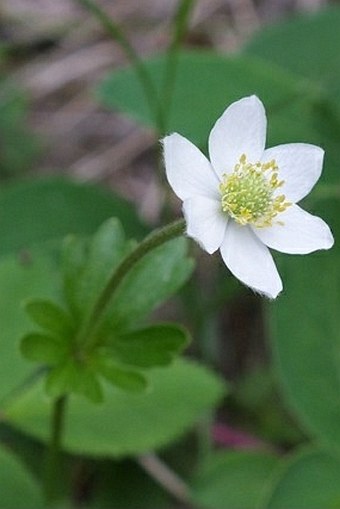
(248, 193)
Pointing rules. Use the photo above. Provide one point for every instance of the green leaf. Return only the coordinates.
(107, 247)
(307, 45)
(44, 349)
(18, 488)
(124, 378)
(74, 377)
(237, 480)
(36, 275)
(74, 254)
(151, 281)
(309, 480)
(33, 211)
(305, 333)
(153, 346)
(50, 317)
(218, 82)
(126, 423)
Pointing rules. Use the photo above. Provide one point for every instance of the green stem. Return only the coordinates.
(145, 80)
(180, 27)
(153, 240)
(53, 465)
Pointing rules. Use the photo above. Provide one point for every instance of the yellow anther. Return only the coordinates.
(248, 194)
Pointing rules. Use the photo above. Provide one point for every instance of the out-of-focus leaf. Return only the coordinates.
(307, 45)
(238, 480)
(309, 480)
(18, 487)
(305, 330)
(33, 211)
(218, 82)
(126, 423)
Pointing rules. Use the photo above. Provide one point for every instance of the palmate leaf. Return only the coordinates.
(125, 423)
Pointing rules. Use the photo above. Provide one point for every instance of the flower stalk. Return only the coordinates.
(152, 241)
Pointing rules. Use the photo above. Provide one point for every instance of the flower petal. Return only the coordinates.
(250, 260)
(206, 222)
(301, 233)
(300, 166)
(240, 130)
(188, 171)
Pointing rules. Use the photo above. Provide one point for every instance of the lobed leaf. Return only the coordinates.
(152, 346)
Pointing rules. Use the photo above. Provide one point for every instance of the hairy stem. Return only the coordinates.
(153, 240)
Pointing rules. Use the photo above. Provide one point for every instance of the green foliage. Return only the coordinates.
(309, 480)
(42, 348)
(125, 423)
(307, 45)
(77, 357)
(218, 82)
(51, 318)
(239, 480)
(156, 277)
(151, 346)
(34, 274)
(305, 326)
(18, 487)
(35, 211)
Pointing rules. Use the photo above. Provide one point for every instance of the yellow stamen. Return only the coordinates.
(248, 193)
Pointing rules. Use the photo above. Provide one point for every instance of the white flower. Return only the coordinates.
(244, 200)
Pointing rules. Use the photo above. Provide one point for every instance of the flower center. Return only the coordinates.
(248, 193)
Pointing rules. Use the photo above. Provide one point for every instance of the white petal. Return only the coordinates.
(206, 222)
(301, 233)
(188, 171)
(250, 260)
(240, 130)
(300, 166)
